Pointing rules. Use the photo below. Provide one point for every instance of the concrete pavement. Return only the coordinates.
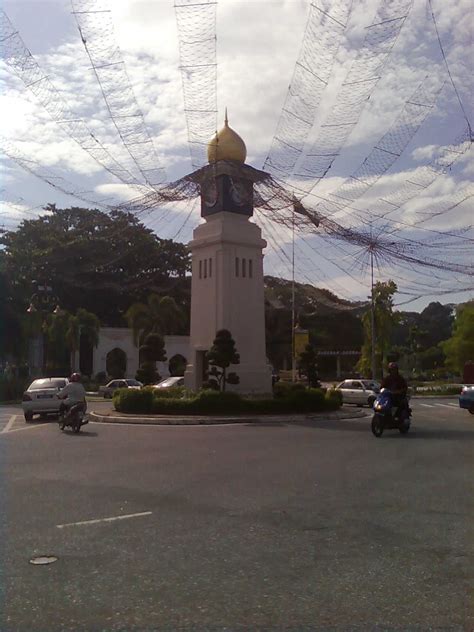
(310, 526)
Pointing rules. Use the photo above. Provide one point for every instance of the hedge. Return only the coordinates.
(208, 402)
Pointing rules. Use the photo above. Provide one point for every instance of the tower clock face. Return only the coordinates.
(209, 193)
(237, 192)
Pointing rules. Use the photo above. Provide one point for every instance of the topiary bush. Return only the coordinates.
(283, 390)
(133, 400)
(332, 399)
(175, 392)
(207, 402)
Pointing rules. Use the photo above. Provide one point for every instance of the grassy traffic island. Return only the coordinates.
(287, 398)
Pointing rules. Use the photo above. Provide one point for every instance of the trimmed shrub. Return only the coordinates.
(283, 390)
(208, 402)
(133, 400)
(12, 388)
(332, 399)
(175, 392)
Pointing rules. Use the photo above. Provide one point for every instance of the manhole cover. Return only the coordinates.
(43, 559)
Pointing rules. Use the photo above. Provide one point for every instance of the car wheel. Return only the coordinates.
(28, 416)
(471, 410)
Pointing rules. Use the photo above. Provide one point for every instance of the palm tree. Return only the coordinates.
(83, 324)
(160, 315)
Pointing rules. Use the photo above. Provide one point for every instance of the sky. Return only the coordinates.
(257, 46)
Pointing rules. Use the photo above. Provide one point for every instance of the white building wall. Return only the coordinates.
(122, 338)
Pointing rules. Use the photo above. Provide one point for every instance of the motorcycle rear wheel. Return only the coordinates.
(377, 427)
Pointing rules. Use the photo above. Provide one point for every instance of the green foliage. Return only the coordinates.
(319, 311)
(385, 319)
(208, 402)
(92, 260)
(177, 365)
(220, 356)
(175, 392)
(459, 349)
(152, 351)
(159, 315)
(12, 387)
(101, 378)
(283, 390)
(116, 363)
(307, 362)
(131, 400)
(333, 399)
(147, 373)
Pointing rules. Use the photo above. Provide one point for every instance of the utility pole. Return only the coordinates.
(372, 315)
(293, 318)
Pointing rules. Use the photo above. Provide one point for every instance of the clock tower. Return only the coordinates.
(227, 289)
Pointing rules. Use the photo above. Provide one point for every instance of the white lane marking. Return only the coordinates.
(96, 521)
(428, 405)
(454, 405)
(43, 425)
(10, 423)
(444, 405)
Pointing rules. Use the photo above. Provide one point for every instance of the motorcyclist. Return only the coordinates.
(396, 384)
(73, 393)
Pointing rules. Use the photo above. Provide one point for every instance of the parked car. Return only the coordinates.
(170, 382)
(41, 397)
(109, 389)
(466, 399)
(359, 392)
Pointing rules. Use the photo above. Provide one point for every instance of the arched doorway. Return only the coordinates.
(116, 363)
(177, 365)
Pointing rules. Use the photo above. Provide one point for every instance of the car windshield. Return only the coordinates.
(133, 383)
(168, 382)
(47, 383)
(369, 384)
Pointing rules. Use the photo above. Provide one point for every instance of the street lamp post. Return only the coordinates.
(42, 301)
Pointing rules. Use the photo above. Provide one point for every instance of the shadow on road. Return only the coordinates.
(423, 434)
(83, 433)
(363, 425)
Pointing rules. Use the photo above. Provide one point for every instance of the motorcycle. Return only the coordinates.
(388, 416)
(75, 417)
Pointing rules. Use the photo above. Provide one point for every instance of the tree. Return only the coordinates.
(385, 319)
(151, 352)
(84, 325)
(64, 332)
(307, 362)
(220, 356)
(459, 349)
(159, 315)
(102, 262)
(436, 322)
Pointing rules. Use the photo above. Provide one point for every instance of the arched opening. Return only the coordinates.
(116, 363)
(177, 365)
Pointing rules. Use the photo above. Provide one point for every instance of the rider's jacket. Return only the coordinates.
(74, 392)
(394, 383)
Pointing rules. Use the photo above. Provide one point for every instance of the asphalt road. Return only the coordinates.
(316, 526)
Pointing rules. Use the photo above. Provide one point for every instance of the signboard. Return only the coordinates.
(301, 340)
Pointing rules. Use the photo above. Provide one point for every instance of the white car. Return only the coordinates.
(359, 392)
(109, 390)
(41, 397)
(170, 382)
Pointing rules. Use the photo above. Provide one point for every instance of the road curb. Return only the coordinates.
(191, 420)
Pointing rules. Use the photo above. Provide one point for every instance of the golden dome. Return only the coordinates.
(226, 145)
